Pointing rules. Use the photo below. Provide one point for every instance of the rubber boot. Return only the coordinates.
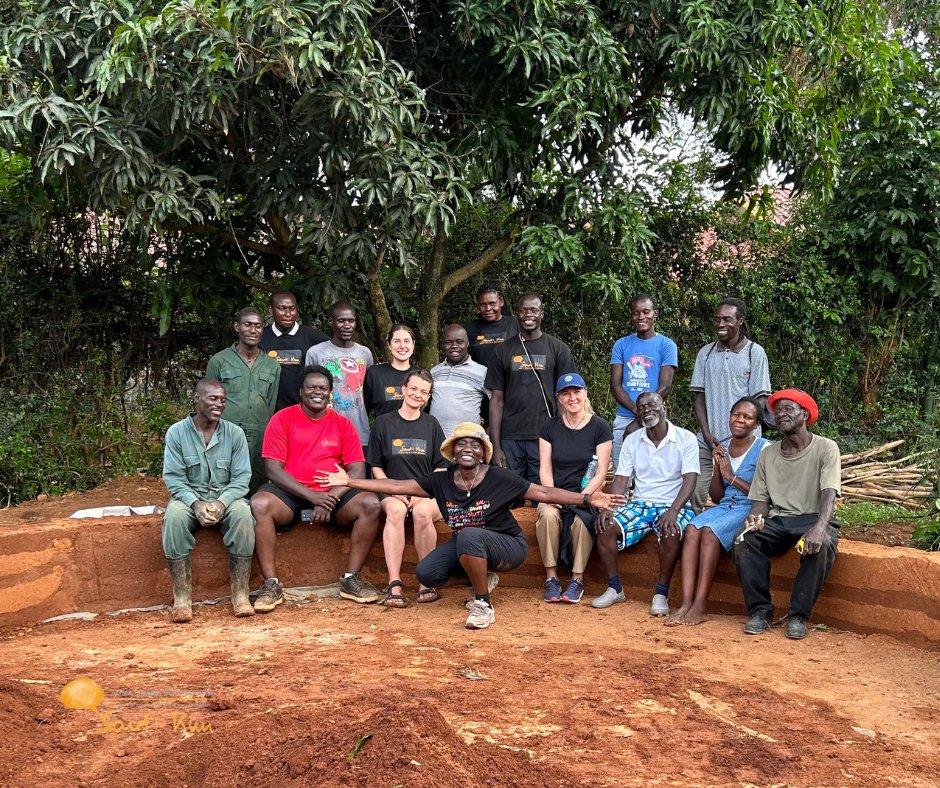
(182, 574)
(240, 569)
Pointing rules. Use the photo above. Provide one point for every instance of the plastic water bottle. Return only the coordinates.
(589, 473)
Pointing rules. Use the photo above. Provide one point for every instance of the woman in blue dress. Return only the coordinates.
(735, 462)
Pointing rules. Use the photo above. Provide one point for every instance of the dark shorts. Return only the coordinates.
(297, 505)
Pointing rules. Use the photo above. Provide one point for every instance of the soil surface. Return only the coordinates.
(125, 491)
(550, 695)
(336, 694)
(896, 534)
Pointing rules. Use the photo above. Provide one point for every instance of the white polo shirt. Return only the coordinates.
(659, 469)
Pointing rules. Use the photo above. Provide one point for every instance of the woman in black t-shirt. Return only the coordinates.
(405, 444)
(474, 499)
(381, 390)
(568, 446)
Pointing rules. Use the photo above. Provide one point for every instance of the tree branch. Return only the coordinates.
(477, 264)
(252, 282)
(256, 246)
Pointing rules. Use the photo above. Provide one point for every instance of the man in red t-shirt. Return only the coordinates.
(301, 441)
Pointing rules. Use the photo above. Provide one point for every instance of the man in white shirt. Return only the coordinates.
(458, 382)
(663, 458)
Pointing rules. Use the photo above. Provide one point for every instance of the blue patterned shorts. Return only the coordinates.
(636, 519)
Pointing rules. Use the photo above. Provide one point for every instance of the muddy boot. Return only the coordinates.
(182, 574)
(240, 569)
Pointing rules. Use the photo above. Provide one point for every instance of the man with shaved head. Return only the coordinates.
(206, 468)
(458, 382)
(347, 361)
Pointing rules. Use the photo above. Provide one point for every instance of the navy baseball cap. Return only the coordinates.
(571, 380)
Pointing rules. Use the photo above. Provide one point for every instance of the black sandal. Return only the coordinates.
(393, 597)
(428, 595)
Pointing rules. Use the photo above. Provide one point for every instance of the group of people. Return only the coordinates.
(311, 430)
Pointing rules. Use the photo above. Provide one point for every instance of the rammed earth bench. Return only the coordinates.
(66, 566)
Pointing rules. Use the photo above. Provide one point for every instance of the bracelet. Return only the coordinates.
(586, 499)
(734, 480)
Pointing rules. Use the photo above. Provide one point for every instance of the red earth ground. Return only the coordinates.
(550, 695)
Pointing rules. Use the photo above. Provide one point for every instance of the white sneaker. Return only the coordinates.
(492, 580)
(481, 615)
(660, 606)
(608, 598)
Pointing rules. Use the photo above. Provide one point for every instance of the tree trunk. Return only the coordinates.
(880, 349)
(381, 319)
(930, 378)
(432, 293)
(435, 286)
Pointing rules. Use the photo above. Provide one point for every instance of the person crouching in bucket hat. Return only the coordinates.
(475, 498)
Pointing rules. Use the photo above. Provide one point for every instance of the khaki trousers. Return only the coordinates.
(548, 532)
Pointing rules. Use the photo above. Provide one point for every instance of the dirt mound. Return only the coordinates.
(357, 741)
(24, 711)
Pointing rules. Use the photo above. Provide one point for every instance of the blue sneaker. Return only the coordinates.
(552, 590)
(573, 592)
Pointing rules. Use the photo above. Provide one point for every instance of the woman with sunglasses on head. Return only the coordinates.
(474, 498)
(735, 461)
(405, 444)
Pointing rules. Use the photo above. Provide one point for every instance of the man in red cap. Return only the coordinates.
(794, 493)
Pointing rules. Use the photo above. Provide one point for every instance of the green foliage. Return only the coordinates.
(859, 514)
(927, 534)
(74, 436)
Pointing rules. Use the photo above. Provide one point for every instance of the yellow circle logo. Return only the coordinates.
(82, 694)
(389, 389)
(272, 353)
(398, 442)
(517, 359)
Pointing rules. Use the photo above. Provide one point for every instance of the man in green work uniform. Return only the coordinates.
(206, 469)
(250, 379)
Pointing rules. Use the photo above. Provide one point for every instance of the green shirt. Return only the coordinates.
(194, 471)
(251, 391)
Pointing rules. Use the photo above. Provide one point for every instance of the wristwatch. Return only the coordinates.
(586, 499)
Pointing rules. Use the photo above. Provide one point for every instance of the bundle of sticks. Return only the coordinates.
(907, 481)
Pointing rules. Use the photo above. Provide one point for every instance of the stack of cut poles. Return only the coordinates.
(907, 481)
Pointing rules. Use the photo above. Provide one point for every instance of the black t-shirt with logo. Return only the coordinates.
(486, 506)
(526, 374)
(381, 391)
(406, 449)
(290, 352)
(572, 449)
(486, 337)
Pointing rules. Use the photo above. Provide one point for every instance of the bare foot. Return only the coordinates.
(677, 618)
(692, 618)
